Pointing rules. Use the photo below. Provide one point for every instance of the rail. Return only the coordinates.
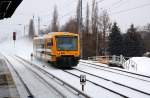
(96, 83)
(115, 82)
(30, 95)
(146, 76)
(54, 77)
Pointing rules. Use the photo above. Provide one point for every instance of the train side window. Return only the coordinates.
(50, 43)
(42, 45)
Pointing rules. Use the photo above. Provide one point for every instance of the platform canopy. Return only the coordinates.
(8, 7)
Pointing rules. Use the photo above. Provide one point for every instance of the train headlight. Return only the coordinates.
(61, 53)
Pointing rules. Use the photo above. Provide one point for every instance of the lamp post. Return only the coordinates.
(24, 28)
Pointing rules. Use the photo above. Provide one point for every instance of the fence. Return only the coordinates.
(122, 61)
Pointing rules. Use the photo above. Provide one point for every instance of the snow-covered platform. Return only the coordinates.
(7, 85)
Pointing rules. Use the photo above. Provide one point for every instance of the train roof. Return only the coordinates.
(61, 33)
(51, 34)
(39, 37)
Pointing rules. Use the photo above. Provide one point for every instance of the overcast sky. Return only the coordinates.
(67, 8)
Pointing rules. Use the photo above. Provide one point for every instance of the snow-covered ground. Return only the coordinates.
(24, 47)
(142, 65)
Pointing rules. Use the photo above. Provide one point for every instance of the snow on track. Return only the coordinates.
(118, 71)
(23, 48)
(98, 65)
(128, 81)
(51, 81)
(74, 81)
(37, 87)
(110, 85)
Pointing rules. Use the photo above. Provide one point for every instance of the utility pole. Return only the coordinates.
(24, 29)
(81, 30)
(33, 24)
(104, 42)
(97, 45)
(38, 25)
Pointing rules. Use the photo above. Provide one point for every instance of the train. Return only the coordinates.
(61, 49)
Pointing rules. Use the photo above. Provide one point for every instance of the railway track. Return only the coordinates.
(124, 96)
(56, 79)
(110, 85)
(30, 95)
(131, 89)
(118, 71)
(40, 78)
(98, 85)
(110, 69)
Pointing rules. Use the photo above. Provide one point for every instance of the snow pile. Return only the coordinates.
(140, 64)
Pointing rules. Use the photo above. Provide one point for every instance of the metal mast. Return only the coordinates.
(81, 30)
(38, 25)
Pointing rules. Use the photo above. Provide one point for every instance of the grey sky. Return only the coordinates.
(44, 9)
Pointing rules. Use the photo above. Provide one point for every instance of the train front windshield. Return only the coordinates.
(65, 43)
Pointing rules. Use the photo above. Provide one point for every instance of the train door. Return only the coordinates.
(48, 49)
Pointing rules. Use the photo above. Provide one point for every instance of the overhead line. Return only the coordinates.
(116, 3)
(122, 3)
(82, 8)
(130, 9)
(99, 1)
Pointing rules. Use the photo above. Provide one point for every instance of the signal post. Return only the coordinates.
(14, 37)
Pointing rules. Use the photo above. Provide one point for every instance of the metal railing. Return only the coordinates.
(130, 64)
(122, 61)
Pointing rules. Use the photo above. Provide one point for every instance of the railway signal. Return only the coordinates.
(31, 56)
(82, 81)
(14, 37)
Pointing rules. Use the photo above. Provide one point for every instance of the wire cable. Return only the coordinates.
(82, 8)
(130, 9)
(116, 3)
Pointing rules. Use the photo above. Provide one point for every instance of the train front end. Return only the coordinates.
(67, 50)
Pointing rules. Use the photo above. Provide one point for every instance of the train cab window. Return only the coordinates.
(67, 43)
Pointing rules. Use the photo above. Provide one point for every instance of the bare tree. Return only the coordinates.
(87, 19)
(145, 33)
(94, 17)
(86, 41)
(70, 26)
(148, 27)
(31, 29)
(104, 27)
(54, 24)
(94, 27)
